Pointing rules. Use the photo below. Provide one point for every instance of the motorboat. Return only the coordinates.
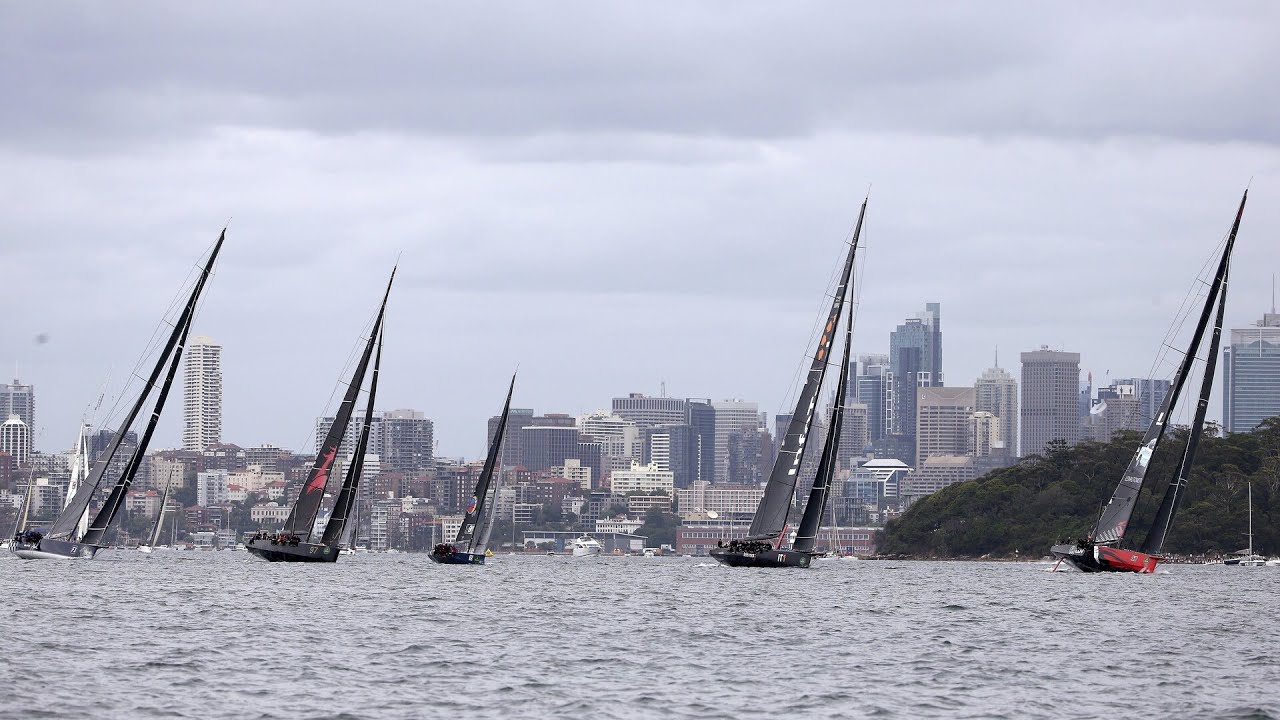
(587, 546)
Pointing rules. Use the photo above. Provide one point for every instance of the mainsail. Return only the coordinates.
(1154, 542)
(303, 515)
(70, 517)
(1114, 521)
(475, 508)
(334, 530)
(807, 533)
(771, 514)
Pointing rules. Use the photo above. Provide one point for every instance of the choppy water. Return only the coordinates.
(219, 635)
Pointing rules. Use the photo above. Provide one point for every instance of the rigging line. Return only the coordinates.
(356, 349)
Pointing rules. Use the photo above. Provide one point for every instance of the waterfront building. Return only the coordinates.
(647, 479)
(1251, 375)
(726, 500)
(996, 392)
(201, 394)
(1050, 387)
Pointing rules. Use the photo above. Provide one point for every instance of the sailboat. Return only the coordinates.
(294, 543)
(1101, 550)
(762, 545)
(1248, 559)
(65, 539)
(154, 538)
(468, 548)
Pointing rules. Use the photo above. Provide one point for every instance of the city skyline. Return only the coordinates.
(671, 225)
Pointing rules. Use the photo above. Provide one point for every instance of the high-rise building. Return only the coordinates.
(1050, 399)
(1117, 408)
(517, 418)
(18, 399)
(702, 419)
(547, 442)
(732, 417)
(15, 439)
(673, 448)
(647, 411)
(873, 387)
(997, 393)
(943, 421)
(984, 434)
(1251, 375)
(1150, 393)
(854, 436)
(915, 359)
(202, 394)
(407, 442)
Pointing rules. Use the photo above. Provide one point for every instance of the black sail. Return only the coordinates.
(334, 529)
(811, 521)
(475, 508)
(69, 518)
(1114, 521)
(97, 531)
(1154, 542)
(303, 515)
(771, 514)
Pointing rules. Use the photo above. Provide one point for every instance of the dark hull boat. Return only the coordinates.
(294, 543)
(64, 541)
(763, 558)
(450, 555)
(468, 548)
(762, 545)
(279, 550)
(1102, 550)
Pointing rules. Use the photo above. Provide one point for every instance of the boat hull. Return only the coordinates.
(457, 557)
(284, 552)
(767, 559)
(51, 549)
(1104, 558)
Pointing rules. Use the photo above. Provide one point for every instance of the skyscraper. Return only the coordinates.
(408, 442)
(202, 394)
(512, 440)
(873, 387)
(1150, 393)
(1050, 399)
(734, 417)
(915, 358)
(647, 411)
(702, 418)
(1251, 375)
(15, 439)
(997, 393)
(18, 399)
(943, 421)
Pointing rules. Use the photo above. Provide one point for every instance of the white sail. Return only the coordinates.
(79, 471)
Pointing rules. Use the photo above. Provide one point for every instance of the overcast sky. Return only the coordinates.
(613, 195)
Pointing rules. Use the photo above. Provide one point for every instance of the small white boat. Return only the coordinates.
(649, 552)
(144, 549)
(587, 546)
(346, 551)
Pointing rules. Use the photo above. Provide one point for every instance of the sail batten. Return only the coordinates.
(771, 515)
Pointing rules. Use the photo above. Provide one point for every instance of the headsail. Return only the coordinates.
(771, 514)
(335, 529)
(807, 533)
(1115, 516)
(475, 508)
(303, 515)
(1154, 542)
(155, 529)
(71, 515)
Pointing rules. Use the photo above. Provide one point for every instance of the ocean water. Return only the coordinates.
(221, 635)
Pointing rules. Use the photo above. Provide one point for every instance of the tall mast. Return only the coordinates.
(303, 515)
(172, 354)
(475, 509)
(1169, 504)
(334, 529)
(807, 533)
(771, 514)
(1115, 516)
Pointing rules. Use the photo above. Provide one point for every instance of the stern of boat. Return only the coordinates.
(763, 559)
(277, 551)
